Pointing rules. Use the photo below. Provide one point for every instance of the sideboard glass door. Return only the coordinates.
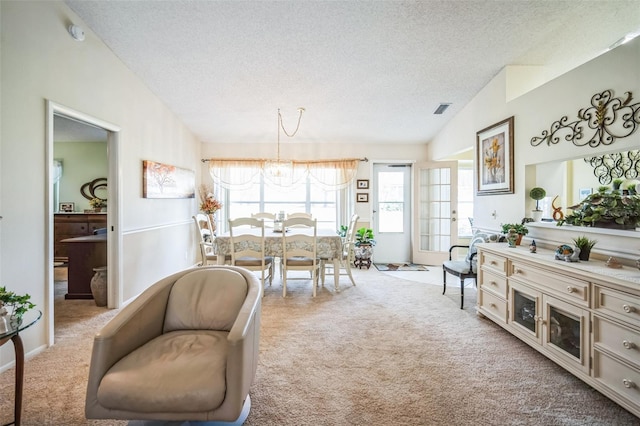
(524, 310)
(566, 332)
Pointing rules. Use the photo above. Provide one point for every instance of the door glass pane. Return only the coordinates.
(391, 202)
(564, 331)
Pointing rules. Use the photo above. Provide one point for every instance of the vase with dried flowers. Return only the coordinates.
(209, 205)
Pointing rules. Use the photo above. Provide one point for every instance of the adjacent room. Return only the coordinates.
(329, 213)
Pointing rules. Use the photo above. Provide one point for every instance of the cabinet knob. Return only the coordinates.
(628, 345)
(539, 319)
(628, 383)
(571, 289)
(493, 283)
(493, 262)
(492, 305)
(628, 309)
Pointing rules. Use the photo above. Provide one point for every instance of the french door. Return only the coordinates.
(435, 211)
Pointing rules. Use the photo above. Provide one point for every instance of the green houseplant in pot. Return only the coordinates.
(585, 244)
(519, 228)
(605, 210)
(537, 194)
(13, 306)
(364, 247)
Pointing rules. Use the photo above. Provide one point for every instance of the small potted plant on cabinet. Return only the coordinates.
(364, 247)
(519, 228)
(537, 194)
(585, 245)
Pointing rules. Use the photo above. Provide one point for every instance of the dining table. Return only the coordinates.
(329, 246)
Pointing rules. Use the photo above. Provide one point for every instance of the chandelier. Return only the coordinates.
(280, 171)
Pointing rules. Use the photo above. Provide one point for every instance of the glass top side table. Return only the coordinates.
(13, 333)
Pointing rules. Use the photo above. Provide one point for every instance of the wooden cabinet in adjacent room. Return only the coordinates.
(71, 225)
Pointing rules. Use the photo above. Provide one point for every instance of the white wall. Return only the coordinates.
(41, 61)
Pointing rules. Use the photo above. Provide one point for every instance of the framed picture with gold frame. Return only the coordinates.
(494, 155)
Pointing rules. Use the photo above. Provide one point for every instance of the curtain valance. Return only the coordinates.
(240, 173)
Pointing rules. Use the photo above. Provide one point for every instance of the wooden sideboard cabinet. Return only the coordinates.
(583, 316)
(72, 225)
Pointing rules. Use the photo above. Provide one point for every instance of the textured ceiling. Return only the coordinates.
(365, 71)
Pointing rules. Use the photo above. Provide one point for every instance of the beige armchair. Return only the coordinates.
(186, 349)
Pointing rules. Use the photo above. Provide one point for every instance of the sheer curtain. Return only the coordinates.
(238, 173)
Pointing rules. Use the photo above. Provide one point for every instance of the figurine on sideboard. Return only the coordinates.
(568, 254)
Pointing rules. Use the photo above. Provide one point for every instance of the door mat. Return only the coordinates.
(400, 267)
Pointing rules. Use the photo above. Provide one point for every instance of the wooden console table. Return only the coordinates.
(583, 316)
(85, 253)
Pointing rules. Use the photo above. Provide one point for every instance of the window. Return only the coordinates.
(261, 196)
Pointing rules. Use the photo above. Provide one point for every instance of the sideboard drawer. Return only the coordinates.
(619, 377)
(496, 263)
(570, 289)
(492, 305)
(623, 306)
(618, 339)
(493, 283)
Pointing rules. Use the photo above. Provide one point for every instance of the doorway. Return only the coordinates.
(114, 240)
(391, 219)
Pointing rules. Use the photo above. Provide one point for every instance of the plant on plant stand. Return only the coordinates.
(585, 245)
(519, 228)
(364, 247)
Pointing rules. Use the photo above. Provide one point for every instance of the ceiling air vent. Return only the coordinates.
(441, 108)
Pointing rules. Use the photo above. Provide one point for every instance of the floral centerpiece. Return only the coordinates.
(97, 203)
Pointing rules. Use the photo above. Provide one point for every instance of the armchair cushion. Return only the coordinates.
(129, 383)
(198, 302)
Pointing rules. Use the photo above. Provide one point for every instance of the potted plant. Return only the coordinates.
(585, 244)
(605, 210)
(14, 305)
(616, 184)
(537, 194)
(364, 247)
(342, 231)
(519, 228)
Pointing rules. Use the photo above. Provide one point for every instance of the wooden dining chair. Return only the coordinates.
(268, 218)
(205, 239)
(248, 246)
(299, 251)
(346, 254)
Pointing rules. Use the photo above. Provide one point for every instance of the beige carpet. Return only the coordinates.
(391, 351)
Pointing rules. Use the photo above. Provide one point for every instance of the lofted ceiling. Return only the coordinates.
(365, 71)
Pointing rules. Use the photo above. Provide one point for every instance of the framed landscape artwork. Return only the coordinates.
(362, 197)
(494, 151)
(165, 181)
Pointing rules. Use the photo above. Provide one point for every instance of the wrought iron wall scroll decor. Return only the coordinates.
(614, 166)
(603, 116)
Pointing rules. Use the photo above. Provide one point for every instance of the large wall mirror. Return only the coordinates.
(572, 180)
